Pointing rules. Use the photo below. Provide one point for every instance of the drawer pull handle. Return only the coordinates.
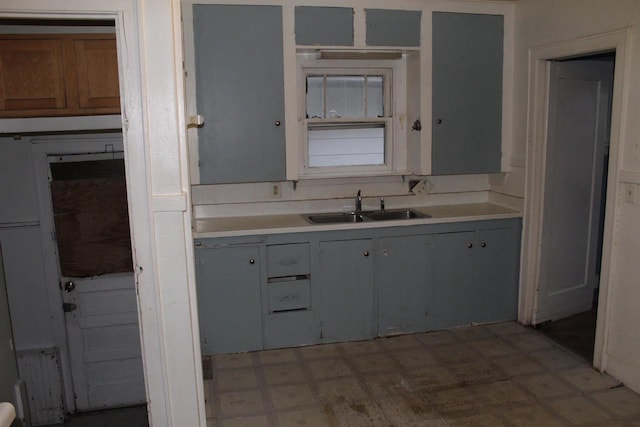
(483, 244)
(469, 245)
(252, 261)
(366, 253)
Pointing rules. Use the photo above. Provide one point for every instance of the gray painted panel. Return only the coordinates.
(229, 304)
(290, 295)
(346, 290)
(291, 329)
(467, 93)
(287, 260)
(240, 93)
(393, 27)
(495, 292)
(454, 269)
(327, 26)
(403, 267)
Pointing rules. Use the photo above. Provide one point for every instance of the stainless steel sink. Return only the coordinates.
(334, 218)
(382, 215)
(392, 214)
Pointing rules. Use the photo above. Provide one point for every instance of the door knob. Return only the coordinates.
(69, 286)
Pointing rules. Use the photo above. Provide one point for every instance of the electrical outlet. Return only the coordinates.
(275, 191)
(630, 193)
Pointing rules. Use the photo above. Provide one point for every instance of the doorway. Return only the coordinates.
(574, 201)
(83, 203)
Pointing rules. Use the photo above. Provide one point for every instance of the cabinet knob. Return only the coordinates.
(252, 261)
(438, 121)
(483, 244)
(278, 123)
(469, 245)
(365, 253)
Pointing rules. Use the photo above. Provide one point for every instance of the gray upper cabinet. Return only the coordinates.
(240, 93)
(393, 27)
(346, 290)
(324, 26)
(467, 93)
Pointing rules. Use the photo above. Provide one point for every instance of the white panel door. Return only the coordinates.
(9, 374)
(88, 207)
(578, 131)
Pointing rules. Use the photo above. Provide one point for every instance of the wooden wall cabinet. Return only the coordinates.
(44, 75)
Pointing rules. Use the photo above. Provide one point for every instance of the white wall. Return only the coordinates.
(544, 22)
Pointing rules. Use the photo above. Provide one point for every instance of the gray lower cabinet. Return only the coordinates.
(258, 292)
(229, 302)
(290, 318)
(476, 277)
(346, 290)
(240, 92)
(403, 281)
(467, 93)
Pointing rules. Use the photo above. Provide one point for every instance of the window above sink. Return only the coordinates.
(352, 116)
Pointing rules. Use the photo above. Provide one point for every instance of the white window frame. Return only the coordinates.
(393, 102)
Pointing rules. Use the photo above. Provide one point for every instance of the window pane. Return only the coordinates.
(345, 96)
(315, 97)
(375, 105)
(346, 146)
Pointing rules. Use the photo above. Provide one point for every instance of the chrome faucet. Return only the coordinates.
(358, 202)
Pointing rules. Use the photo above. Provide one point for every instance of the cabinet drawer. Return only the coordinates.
(290, 295)
(288, 260)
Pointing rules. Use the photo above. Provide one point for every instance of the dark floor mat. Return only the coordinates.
(577, 332)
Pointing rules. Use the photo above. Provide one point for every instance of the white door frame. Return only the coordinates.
(42, 149)
(539, 58)
(160, 222)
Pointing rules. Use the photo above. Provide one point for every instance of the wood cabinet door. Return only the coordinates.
(58, 75)
(96, 66)
(31, 76)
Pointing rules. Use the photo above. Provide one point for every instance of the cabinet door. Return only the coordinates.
(96, 62)
(31, 76)
(229, 307)
(495, 293)
(454, 269)
(403, 268)
(326, 26)
(393, 27)
(467, 93)
(346, 290)
(240, 93)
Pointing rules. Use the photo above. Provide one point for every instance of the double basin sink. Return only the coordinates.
(363, 216)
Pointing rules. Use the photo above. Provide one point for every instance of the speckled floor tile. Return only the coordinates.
(494, 375)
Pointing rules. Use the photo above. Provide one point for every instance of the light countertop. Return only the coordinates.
(289, 223)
